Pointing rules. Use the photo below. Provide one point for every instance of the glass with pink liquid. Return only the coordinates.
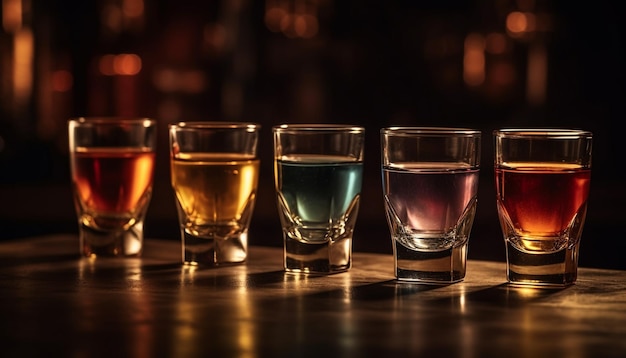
(430, 187)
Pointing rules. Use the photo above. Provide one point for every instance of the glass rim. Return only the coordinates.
(317, 128)
(551, 133)
(214, 125)
(435, 131)
(112, 120)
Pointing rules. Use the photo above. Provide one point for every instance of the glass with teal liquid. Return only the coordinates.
(318, 176)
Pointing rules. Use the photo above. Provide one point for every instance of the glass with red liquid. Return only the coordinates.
(112, 164)
(542, 183)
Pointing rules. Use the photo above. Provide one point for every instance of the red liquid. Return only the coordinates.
(542, 199)
(112, 180)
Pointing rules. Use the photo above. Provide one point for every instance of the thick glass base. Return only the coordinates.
(433, 267)
(211, 251)
(317, 257)
(98, 243)
(557, 268)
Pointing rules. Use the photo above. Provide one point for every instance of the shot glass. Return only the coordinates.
(214, 174)
(542, 184)
(430, 187)
(318, 170)
(112, 164)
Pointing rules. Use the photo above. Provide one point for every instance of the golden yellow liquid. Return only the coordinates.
(215, 189)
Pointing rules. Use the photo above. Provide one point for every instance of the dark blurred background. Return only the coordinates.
(479, 64)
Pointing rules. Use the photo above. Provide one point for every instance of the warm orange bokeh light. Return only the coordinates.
(299, 23)
(519, 22)
(516, 22)
(105, 65)
(474, 60)
(11, 15)
(273, 17)
(496, 43)
(132, 8)
(175, 80)
(62, 81)
(127, 64)
(120, 65)
(23, 57)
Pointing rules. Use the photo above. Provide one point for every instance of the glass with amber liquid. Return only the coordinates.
(542, 182)
(112, 164)
(214, 175)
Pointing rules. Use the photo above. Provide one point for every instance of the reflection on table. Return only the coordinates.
(54, 302)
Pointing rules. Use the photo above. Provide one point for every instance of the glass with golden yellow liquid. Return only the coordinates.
(214, 174)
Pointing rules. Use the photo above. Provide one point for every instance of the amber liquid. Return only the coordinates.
(542, 208)
(112, 189)
(113, 181)
(542, 200)
(214, 189)
(215, 195)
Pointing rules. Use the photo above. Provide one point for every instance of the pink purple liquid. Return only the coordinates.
(429, 204)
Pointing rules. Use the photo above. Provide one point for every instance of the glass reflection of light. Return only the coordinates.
(184, 334)
(140, 310)
(187, 275)
(86, 268)
(348, 328)
(462, 300)
(526, 293)
(245, 315)
(133, 302)
(85, 304)
(467, 332)
(534, 328)
(235, 319)
(133, 275)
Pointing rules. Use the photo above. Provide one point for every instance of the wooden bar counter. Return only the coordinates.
(55, 304)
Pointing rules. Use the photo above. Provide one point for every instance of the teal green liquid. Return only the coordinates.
(317, 194)
(318, 201)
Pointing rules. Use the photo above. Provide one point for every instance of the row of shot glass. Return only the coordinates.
(430, 184)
